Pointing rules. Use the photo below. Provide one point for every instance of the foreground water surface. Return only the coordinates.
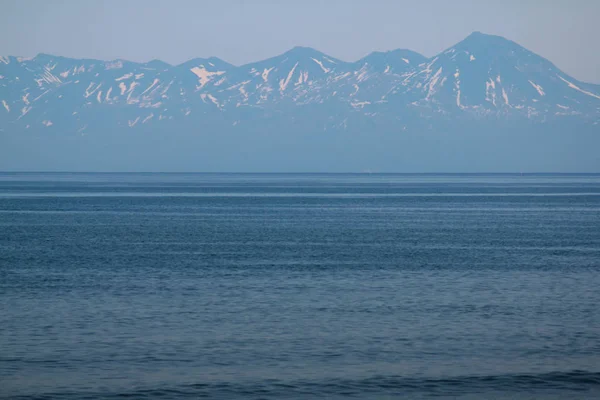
(299, 286)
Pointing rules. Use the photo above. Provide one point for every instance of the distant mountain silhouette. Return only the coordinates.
(484, 83)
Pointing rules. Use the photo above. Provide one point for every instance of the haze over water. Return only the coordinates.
(298, 286)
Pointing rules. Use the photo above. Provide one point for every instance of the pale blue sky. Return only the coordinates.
(566, 32)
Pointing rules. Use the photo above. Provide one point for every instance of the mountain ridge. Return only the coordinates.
(482, 83)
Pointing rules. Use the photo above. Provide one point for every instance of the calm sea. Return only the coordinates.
(227, 286)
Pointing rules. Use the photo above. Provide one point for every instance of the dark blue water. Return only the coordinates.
(299, 286)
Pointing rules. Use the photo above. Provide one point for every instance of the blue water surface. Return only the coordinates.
(299, 286)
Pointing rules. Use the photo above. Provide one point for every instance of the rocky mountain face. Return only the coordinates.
(482, 83)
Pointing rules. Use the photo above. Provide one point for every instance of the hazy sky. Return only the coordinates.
(241, 31)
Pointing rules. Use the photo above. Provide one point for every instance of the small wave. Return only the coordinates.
(509, 385)
(324, 195)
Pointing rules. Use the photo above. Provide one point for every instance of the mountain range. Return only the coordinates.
(485, 104)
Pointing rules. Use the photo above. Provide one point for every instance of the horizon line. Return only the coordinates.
(298, 173)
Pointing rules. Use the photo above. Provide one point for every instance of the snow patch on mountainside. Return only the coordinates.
(41, 95)
(326, 70)
(573, 86)
(204, 76)
(213, 99)
(360, 104)
(265, 74)
(284, 82)
(457, 88)
(47, 77)
(151, 86)
(490, 91)
(302, 78)
(91, 89)
(148, 118)
(434, 80)
(130, 93)
(126, 76)
(24, 111)
(539, 89)
(505, 97)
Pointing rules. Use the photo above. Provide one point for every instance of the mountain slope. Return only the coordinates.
(481, 76)
(486, 74)
(484, 83)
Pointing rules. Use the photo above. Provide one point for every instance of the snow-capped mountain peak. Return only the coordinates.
(482, 76)
(489, 74)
